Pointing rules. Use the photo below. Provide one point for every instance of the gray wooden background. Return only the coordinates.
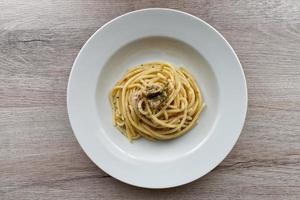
(39, 155)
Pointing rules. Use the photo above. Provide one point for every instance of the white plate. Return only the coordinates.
(151, 35)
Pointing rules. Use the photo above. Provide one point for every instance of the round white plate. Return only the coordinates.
(157, 35)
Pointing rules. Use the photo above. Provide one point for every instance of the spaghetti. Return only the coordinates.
(156, 101)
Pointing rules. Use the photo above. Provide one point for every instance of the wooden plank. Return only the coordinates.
(39, 155)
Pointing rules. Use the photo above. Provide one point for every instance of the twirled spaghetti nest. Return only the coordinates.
(156, 101)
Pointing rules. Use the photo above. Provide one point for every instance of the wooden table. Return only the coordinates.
(39, 155)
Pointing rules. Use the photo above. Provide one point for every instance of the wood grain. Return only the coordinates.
(41, 159)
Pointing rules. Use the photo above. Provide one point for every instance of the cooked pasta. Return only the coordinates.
(156, 101)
